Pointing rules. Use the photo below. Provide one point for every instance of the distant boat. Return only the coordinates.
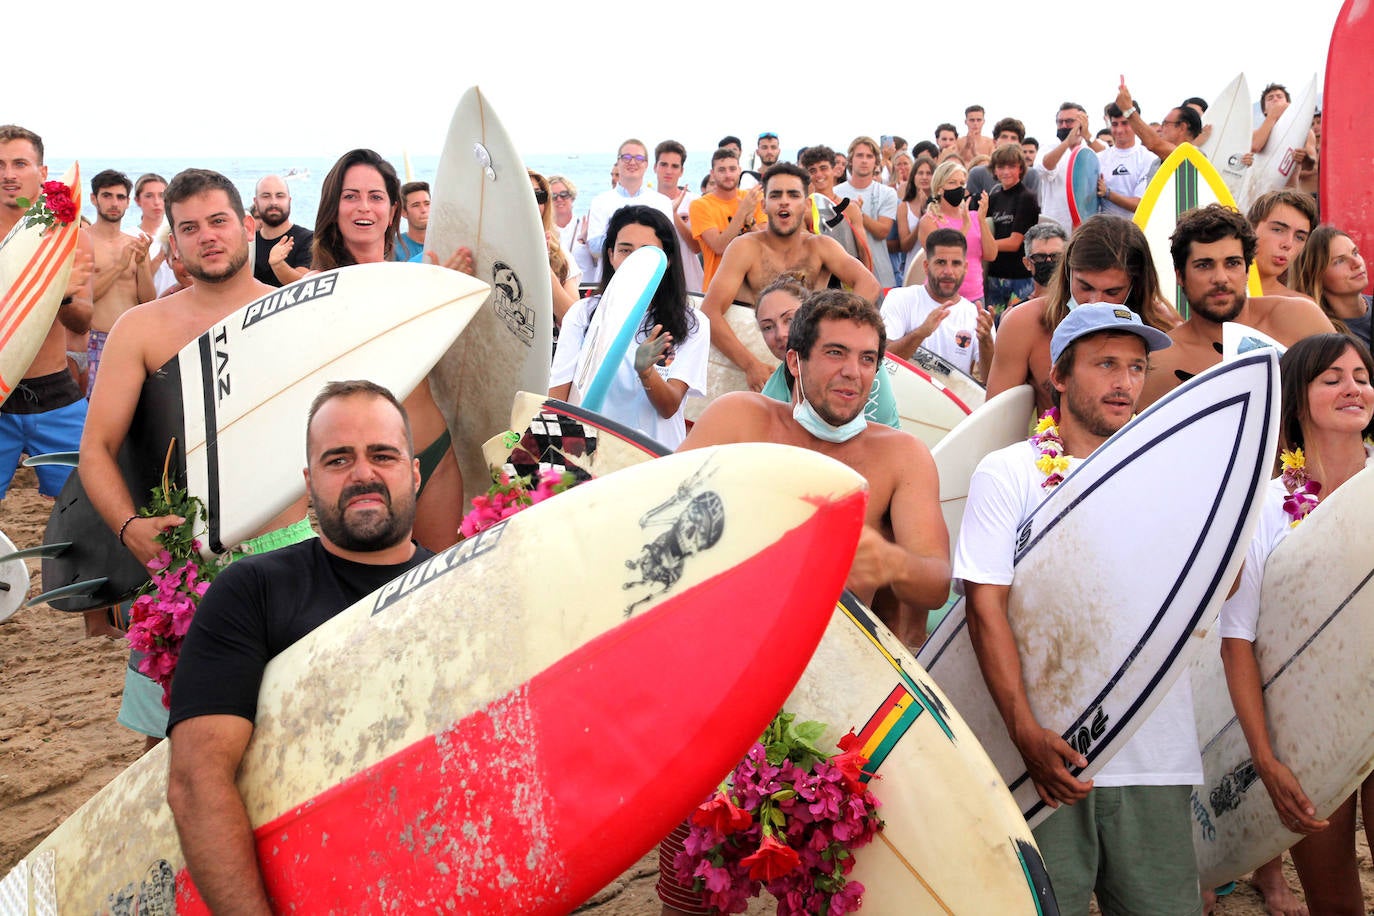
(295, 174)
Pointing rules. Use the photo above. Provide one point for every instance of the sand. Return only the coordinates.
(60, 743)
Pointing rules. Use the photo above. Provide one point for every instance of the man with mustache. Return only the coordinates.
(210, 234)
(1212, 248)
(363, 479)
(283, 248)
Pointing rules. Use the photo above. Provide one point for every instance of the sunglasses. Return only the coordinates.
(1044, 258)
(768, 136)
(541, 196)
(560, 195)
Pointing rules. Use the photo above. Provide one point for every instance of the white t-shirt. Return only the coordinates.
(1005, 489)
(1240, 613)
(1054, 202)
(1127, 172)
(626, 401)
(955, 338)
(879, 202)
(692, 270)
(604, 206)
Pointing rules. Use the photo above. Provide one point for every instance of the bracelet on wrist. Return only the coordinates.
(125, 527)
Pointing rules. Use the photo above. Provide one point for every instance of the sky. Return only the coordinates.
(185, 80)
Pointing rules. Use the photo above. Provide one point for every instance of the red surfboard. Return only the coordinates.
(1347, 149)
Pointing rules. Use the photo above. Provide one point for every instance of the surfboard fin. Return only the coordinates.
(83, 589)
(67, 459)
(42, 551)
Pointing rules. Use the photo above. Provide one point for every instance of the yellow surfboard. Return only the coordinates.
(1185, 180)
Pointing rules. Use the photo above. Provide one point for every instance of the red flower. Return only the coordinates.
(58, 198)
(773, 860)
(851, 763)
(722, 815)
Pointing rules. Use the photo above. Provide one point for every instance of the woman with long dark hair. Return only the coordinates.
(668, 359)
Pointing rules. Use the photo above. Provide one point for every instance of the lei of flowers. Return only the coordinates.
(162, 614)
(508, 496)
(787, 819)
(1302, 490)
(1053, 463)
(54, 205)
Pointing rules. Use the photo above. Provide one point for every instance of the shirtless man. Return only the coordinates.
(123, 269)
(974, 144)
(1107, 260)
(1282, 220)
(755, 260)
(46, 411)
(835, 347)
(1212, 248)
(211, 236)
(1274, 101)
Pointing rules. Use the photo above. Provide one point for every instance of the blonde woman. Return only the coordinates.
(564, 275)
(950, 208)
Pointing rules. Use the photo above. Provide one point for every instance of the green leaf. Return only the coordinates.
(24, 203)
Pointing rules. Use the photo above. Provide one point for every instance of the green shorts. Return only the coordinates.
(140, 708)
(1131, 845)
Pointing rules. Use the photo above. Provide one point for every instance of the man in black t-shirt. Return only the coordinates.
(282, 252)
(363, 478)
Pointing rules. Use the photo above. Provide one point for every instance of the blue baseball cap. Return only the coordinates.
(1104, 316)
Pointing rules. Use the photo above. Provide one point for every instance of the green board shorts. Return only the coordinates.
(1131, 845)
(140, 707)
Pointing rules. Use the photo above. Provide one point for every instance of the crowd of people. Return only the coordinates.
(963, 245)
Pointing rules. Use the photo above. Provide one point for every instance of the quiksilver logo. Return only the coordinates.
(289, 296)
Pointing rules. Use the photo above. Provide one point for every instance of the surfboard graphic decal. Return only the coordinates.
(865, 621)
(211, 495)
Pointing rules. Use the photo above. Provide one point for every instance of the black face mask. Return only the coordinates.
(1044, 271)
(1063, 133)
(954, 196)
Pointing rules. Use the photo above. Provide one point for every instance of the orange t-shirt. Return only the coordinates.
(710, 212)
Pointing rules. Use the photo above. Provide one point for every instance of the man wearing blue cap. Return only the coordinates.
(1127, 834)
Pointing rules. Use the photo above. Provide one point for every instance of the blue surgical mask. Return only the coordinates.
(814, 424)
(1073, 303)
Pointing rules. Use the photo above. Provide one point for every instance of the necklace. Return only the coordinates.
(1052, 462)
(1302, 489)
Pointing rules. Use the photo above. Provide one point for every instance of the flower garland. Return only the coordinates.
(508, 496)
(54, 205)
(161, 615)
(1053, 463)
(787, 820)
(1302, 490)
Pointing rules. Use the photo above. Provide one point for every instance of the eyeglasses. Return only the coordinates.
(628, 158)
(560, 195)
(541, 196)
(1065, 122)
(1044, 258)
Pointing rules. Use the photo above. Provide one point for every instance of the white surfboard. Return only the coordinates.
(483, 200)
(930, 770)
(1238, 339)
(1230, 121)
(1315, 628)
(927, 409)
(1107, 618)
(35, 265)
(14, 580)
(619, 314)
(967, 388)
(1184, 181)
(722, 375)
(547, 434)
(1274, 165)
(443, 744)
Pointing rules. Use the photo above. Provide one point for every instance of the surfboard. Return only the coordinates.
(618, 316)
(967, 388)
(477, 737)
(722, 375)
(1184, 181)
(547, 434)
(1238, 339)
(930, 768)
(35, 265)
(14, 579)
(1347, 147)
(924, 759)
(247, 381)
(1096, 657)
(1316, 624)
(1230, 120)
(1081, 185)
(482, 199)
(927, 409)
(1275, 164)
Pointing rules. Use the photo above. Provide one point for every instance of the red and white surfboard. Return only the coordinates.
(34, 267)
(509, 726)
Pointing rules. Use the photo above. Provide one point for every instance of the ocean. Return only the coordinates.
(589, 171)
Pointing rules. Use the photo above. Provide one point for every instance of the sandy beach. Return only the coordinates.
(59, 742)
